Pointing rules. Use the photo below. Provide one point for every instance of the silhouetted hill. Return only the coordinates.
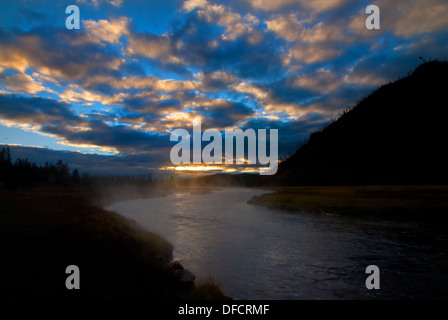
(396, 135)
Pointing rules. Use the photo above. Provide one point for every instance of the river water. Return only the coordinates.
(257, 253)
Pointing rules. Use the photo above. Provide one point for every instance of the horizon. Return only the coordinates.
(107, 96)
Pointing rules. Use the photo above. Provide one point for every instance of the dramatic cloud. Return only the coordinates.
(236, 25)
(107, 31)
(35, 110)
(292, 30)
(55, 118)
(315, 6)
(311, 54)
(153, 47)
(20, 82)
(137, 70)
(51, 52)
(409, 18)
(323, 81)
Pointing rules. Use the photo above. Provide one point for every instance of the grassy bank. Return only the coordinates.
(45, 229)
(402, 202)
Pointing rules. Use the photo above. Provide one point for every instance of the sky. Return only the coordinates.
(107, 96)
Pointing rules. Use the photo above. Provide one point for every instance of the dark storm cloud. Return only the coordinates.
(283, 91)
(123, 138)
(216, 81)
(151, 106)
(55, 118)
(59, 51)
(34, 110)
(226, 114)
(240, 56)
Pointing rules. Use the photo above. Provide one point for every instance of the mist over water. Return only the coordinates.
(257, 253)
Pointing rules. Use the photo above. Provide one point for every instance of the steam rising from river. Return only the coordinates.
(256, 253)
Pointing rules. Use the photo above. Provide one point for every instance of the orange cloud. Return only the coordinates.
(106, 31)
(315, 6)
(22, 82)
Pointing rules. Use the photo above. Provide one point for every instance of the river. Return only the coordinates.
(256, 253)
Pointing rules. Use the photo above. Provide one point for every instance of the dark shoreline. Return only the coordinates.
(422, 204)
(44, 229)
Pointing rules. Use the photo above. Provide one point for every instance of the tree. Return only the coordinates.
(75, 176)
(85, 179)
(62, 172)
(8, 155)
(5, 156)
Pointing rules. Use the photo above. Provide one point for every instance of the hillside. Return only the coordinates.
(396, 135)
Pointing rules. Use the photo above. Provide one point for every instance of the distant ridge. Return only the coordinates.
(396, 135)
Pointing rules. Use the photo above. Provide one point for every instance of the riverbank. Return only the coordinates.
(425, 203)
(45, 229)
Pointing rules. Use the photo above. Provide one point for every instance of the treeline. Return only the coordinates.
(24, 173)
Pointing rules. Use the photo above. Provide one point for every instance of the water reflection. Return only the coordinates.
(256, 253)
